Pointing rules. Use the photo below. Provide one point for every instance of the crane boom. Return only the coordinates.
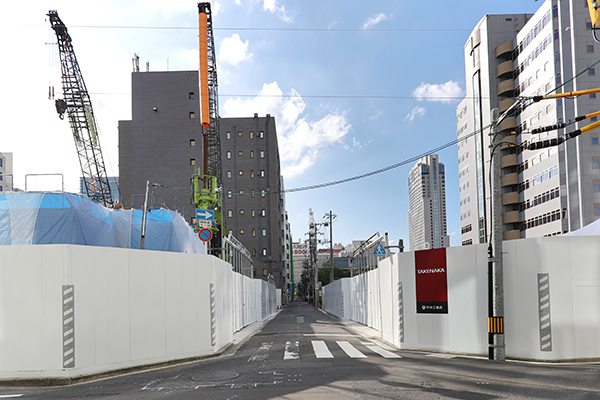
(207, 183)
(78, 106)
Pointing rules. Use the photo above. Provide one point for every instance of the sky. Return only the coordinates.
(354, 87)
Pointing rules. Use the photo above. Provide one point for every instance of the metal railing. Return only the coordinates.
(364, 258)
(238, 256)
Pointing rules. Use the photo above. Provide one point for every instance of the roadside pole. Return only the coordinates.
(496, 280)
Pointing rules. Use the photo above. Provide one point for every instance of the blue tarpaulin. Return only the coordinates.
(66, 218)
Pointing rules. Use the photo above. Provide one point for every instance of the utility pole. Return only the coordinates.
(495, 273)
(331, 217)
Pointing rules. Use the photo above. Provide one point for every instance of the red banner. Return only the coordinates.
(431, 282)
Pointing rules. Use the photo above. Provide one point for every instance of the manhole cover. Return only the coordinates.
(215, 376)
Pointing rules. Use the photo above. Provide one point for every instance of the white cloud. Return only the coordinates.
(301, 141)
(271, 6)
(376, 115)
(233, 50)
(375, 19)
(444, 93)
(414, 113)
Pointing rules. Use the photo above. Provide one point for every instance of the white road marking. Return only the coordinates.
(330, 334)
(382, 352)
(350, 350)
(320, 349)
(262, 353)
(292, 351)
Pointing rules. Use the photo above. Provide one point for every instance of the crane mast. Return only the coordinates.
(78, 107)
(207, 182)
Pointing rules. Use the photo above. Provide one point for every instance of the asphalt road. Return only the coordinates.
(304, 353)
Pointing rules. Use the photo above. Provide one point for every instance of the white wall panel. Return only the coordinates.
(131, 307)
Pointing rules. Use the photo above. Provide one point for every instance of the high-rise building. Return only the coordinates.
(162, 144)
(510, 58)
(254, 203)
(427, 227)
(6, 172)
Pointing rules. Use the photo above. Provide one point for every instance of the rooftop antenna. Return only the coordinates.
(136, 62)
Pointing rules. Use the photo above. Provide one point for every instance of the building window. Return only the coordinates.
(264, 269)
(251, 154)
(241, 192)
(192, 161)
(261, 134)
(228, 135)
(263, 193)
(192, 143)
(264, 231)
(592, 95)
(229, 174)
(241, 231)
(251, 135)
(253, 213)
(263, 212)
(228, 155)
(590, 48)
(253, 232)
(240, 153)
(591, 72)
(262, 173)
(192, 115)
(252, 174)
(229, 194)
(191, 95)
(240, 133)
(229, 213)
(230, 232)
(262, 154)
(242, 211)
(596, 186)
(253, 252)
(240, 172)
(252, 193)
(264, 253)
(595, 140)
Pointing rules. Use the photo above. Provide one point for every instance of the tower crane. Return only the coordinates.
(207, 182)
(78, 107)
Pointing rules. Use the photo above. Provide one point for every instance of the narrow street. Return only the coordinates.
(303, 353)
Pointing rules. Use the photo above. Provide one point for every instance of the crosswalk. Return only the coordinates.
(322, 349)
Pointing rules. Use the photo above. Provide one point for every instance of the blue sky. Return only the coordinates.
(354, 87)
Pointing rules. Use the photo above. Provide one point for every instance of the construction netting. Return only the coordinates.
(66, 218)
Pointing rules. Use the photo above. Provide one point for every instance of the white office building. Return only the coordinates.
(6, 171)
(427, 227)
(508, 59)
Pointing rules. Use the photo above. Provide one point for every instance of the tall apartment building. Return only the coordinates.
(427, 227)
(548, 191)
(163, 144)
(6, 171)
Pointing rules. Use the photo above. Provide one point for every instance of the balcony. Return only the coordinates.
(505, 88)
(509, 160)
(504, 70)
(510, 198)
(504, 50)
(505, 104)
(507, 123)
(510, 180)
(511, 235)
(511, 217)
